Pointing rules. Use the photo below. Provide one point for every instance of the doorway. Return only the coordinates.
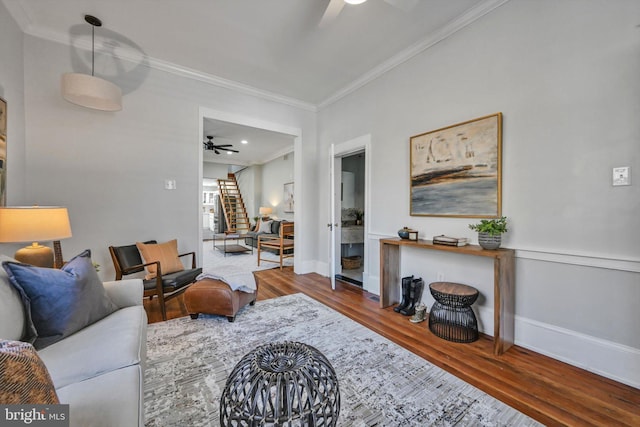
(350, 211)
(232, 122)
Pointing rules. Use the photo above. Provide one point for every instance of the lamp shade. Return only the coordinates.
(91, 92)
(265, 210)
(33, 223)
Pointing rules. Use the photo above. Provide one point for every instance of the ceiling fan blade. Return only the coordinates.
(224, 145)
(331, 12)
(216, 151)
(233, 151)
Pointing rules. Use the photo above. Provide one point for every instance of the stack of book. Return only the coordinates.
(450, 241)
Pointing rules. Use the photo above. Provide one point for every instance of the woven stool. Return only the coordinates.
(281, 384)
(451, 316)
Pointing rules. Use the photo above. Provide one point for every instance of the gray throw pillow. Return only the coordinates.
(265, 227)
(59, 302)
(275, 227)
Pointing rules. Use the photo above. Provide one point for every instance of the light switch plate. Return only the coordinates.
(169, 184)
(621, 176)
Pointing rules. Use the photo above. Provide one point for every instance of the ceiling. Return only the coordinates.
(262, 145)
(274, 46)
(286, 50)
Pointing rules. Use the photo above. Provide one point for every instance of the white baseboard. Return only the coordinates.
(606, 358)
(323, 268)
(612, 360)
(305, 267)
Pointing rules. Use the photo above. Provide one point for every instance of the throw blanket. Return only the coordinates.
(236, 277)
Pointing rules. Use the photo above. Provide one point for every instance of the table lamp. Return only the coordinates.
(32, 224)
(265, 211)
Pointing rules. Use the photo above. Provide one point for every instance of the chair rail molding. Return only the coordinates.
(584, 260)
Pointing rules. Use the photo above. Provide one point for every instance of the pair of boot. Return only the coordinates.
(411, 295)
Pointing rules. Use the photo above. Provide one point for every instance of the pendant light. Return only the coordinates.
(88, 90)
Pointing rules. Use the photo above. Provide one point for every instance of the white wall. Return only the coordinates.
(12, 91)
(566, 76)
(109, 168)
(250, 184)
(275, 174)
(263, 185)
(215, 170)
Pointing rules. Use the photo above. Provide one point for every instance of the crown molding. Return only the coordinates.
(21, 16)
(18, 13)
(467, 18)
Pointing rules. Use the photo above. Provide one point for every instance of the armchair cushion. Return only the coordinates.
(59, 302)
(166, 253)
(174, 281)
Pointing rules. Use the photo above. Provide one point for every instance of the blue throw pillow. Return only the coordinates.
(59, 302)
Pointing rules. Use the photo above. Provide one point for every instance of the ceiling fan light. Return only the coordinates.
(91, 92)
(355, 1)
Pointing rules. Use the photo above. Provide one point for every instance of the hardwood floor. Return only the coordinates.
(547, 390)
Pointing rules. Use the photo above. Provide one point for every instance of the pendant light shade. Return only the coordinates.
(88, 90)
(91, 92)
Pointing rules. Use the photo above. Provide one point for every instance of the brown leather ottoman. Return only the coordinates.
(209, 296)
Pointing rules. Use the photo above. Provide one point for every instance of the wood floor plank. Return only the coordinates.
(546, 389)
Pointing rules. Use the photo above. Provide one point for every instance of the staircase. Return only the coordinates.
(235, 213)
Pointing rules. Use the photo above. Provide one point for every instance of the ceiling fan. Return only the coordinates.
(334, 7)
(209, 145)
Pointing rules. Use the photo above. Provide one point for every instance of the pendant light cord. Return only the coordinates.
(93, 47)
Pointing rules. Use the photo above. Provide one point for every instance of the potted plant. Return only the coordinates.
(490, 232)
(359, 214)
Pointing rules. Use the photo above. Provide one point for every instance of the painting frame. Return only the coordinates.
(456, 171)
(3, 117)
(288, 198)
(3, 152)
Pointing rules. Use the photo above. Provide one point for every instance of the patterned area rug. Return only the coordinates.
(248, 261)
(381, 384)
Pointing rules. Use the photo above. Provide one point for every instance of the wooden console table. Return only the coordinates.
(503, 282)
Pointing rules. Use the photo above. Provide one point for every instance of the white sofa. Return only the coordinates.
(99, 370)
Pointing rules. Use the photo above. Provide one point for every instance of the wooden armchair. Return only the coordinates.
(283, 244)
(127, 260)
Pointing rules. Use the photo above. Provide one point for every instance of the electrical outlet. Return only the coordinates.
(169, 184)
(440, 277)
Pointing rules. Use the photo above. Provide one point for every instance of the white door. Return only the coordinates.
(335, 215)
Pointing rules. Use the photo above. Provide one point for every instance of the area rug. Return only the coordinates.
(211, 258)
(381, 384)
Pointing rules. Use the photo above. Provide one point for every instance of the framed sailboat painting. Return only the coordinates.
(456, 171)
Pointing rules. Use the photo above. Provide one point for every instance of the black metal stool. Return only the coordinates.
(281, 384)
(451, 316)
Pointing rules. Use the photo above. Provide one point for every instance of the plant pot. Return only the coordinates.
(487, 241)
